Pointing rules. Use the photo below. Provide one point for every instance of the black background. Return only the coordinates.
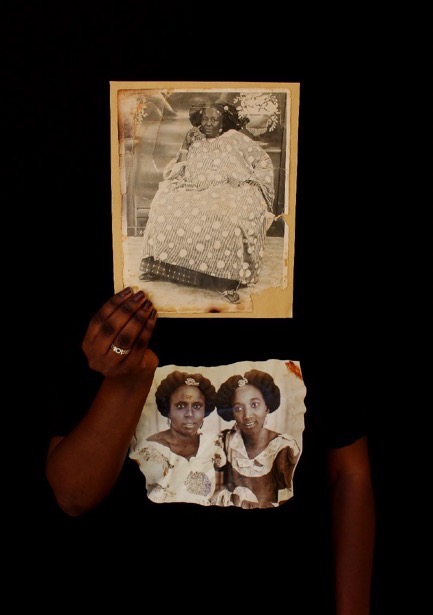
(59, 62)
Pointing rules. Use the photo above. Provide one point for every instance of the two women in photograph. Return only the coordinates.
(209, 217)
(249, 465)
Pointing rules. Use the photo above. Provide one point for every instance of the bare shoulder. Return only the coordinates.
(161, 437)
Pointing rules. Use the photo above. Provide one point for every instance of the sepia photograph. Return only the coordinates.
(222, 436)
(204, 194)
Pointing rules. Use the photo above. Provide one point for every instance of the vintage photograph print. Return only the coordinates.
(229, 435)
(204, 194)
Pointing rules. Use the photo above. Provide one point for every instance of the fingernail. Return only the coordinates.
(125, 292)
(146, 305)
(153, 314)
(138, 296)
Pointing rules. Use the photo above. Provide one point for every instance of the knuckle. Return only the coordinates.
(140, 318)
(141, 343)
(107, 329)
(124, 340)
(98, 318)
(126, 307)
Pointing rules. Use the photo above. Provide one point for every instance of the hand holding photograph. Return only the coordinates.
(203, 189)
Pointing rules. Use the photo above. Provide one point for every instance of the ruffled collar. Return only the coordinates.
(261, 460)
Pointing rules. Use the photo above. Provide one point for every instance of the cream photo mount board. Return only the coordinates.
(204, 195)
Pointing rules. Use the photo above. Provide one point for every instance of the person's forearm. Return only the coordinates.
(353, 536)
(83, 467)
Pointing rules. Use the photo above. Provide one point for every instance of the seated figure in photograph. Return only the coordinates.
(208, 220)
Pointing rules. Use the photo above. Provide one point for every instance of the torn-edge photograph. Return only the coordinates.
(224, 436)
(203, 195)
